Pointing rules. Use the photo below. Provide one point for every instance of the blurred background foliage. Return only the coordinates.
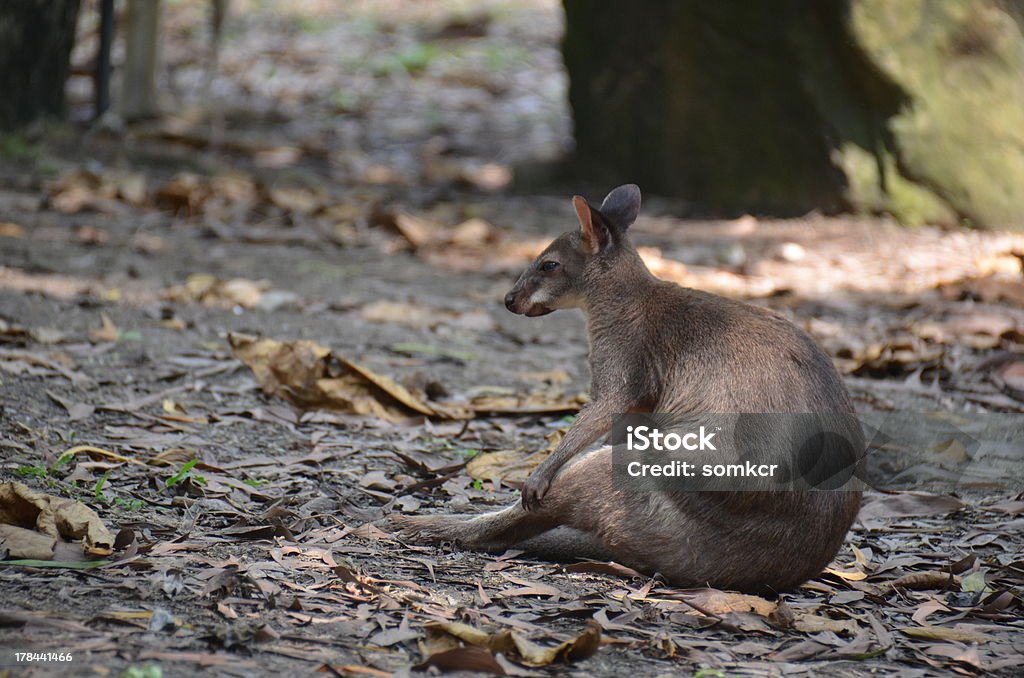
(912, 108)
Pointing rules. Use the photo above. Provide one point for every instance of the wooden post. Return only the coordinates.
(142, 57)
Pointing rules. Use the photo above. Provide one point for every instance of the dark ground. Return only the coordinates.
(325, 125)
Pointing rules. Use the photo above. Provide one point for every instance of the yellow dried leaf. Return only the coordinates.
(10, 230)
(107, 332)
(298, 200)
(848, 575)
(171, 407)
(812, 623)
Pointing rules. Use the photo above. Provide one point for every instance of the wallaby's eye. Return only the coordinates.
(549, 266)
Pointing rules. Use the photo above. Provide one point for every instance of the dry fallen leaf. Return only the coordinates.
(496, 642)
(471, 658)
(1010, 378)
(107, 332)
(312, 377)
(55, 286)
(904, 504)
(529, 652)
(812, 623)
(715, 602)
(11, 230)
(19, 542)
(960, 635)
(848, 575)
(216, 293)
(54, 517)
(574, 649)
(293, 199)
(511, 465)
(992, 289)
(978, 330)
(504, 466)
(185, 192)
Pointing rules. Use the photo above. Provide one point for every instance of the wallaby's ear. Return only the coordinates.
(593, 232)
(621, 206)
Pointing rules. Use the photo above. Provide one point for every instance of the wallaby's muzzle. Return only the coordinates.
(518, 301)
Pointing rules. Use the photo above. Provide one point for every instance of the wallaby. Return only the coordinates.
(659, 347)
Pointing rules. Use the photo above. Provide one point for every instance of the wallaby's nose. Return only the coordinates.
(510, 300)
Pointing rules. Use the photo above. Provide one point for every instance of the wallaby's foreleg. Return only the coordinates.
(593, 421)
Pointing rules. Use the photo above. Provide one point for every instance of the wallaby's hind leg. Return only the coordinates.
(580, 488)
(494, 531)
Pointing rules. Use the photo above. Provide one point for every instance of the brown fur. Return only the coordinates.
(658, 347)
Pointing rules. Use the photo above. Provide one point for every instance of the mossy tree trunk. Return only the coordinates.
(913, 107)
(35, 49)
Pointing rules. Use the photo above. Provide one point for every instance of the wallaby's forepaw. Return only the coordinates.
(535, 488)
(425, 529)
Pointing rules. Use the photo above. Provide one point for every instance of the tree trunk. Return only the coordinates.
(35, 50)
(912, 107)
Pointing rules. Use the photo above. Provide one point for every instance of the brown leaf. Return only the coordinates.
(417, 231)
(504, 466)
(922, 581)
(472, 233)
(54, 517)
(531, 588)
(308, 375)
(216, 293)
(185, 192)
(470, 658)
(312, 377)
(961, 635)
(906, 504)
(800, 651)
(1010, 507)
(496, 642)
(977, 330)
(1011, 378)
(990, 289)
(812, 623)
(55, 286)
(715, 602)
(924, 610)
(292, 199)
(575, 649)
(10, 230)
(107, 332)
(76, 411)
(18, 542)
